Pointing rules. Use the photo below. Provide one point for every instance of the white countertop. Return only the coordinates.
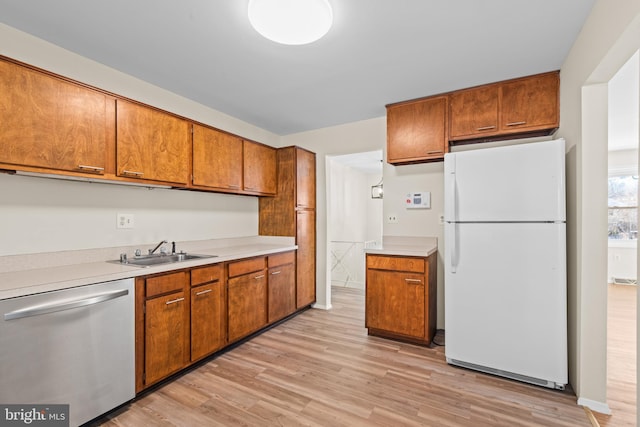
(405, 246)
(51, 278)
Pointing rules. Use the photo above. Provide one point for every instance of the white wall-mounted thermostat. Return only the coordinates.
(419, 200)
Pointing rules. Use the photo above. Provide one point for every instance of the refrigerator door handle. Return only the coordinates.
(454, 247)
(453, 190)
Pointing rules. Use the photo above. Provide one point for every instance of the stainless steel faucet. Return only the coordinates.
(151, 251)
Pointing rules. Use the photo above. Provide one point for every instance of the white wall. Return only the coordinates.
(39, 215)
(609, 37)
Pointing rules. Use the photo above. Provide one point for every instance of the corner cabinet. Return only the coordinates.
(417, 130)
(292, 213)
(401, 297)
(151, 144)
(50, 123)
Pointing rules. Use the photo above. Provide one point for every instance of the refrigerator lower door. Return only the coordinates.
(505, 300)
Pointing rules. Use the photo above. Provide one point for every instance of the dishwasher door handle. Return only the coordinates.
(40, 309)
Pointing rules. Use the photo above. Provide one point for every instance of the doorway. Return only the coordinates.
(354, 214)
(622, 270)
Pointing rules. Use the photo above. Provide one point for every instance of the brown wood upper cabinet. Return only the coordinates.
(523, 106)
(259, 169)
(151, 144)
(417, 130)
(217, 159)
(51, 123)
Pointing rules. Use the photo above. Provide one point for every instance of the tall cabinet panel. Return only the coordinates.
(292, 213)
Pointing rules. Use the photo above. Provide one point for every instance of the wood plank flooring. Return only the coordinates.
(321, 369)
(621, 357)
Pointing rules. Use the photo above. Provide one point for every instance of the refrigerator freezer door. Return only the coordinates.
(522, 182)
(505, 304)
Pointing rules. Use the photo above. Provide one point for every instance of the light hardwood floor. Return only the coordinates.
(621, 357)
(321, 369)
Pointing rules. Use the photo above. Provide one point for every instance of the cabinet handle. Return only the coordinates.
(276, 272)
(259, 277)
(174, 301)
(206, 291)
(435, 152)
(92, 169)
(413, 281)
(233, 186)
(516, 123)
(486, 128)
(250, 188)
(134, 173)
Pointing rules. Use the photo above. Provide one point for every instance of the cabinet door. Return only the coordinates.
(417, 131)
(306, 258)
(217, 159)
(50, 123)
(282, 291)
(530, 103)
(259, 170)
(166, 335)
(208, 319)
(305, 166)
(473, 112)
(151, 144)
(395, 302)
(247, 311)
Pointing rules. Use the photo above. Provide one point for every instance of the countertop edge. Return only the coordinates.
(29, 282)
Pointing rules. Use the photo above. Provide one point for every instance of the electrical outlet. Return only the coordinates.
(392, 219)
(441, 219)
(124, 220)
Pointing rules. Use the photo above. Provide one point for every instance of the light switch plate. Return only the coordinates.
(125, 220)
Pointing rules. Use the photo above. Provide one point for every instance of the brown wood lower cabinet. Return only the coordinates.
(208, 311)
(401, 297)
(282, 285)
(187, 315)
(247, 293)
(165, 329)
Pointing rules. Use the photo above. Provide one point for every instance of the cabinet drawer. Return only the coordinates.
(165, 283)
(246, 266)
(206, 274)
(415, 265)
(281, 259)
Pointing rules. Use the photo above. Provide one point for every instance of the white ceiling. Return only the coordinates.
(377, 52)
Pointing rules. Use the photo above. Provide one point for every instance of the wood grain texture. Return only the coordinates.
(152, 144)
(306, 257)
(621, 357)
(247, 306)
(321, 369)
(305, 178)
(530, 103)
(207, 274)
(277, 215)
(417, 131)
(51, 123)
(473, 111)
(217, 159)
(208, 319)
(260, 170)
(282, 290)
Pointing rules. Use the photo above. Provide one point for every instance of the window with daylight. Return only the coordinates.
(623, 207)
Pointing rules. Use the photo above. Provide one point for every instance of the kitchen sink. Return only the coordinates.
(159, 259)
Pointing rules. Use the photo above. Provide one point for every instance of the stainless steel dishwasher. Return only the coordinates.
(73, 346)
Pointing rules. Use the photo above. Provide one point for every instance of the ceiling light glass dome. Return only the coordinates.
(291, 22)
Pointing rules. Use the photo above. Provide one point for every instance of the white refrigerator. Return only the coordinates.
(505, 261)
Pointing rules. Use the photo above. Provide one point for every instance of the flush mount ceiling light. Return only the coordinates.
(292, 22)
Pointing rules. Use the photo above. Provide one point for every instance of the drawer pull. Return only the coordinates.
(259, 277)
(133, 173)
(250, 188)
(276, 272)
(435, 152)
(92, 169)
(486, 128)
(516, 123)
(413, 281)
(233, 186)
(206, 291)
(174, 301)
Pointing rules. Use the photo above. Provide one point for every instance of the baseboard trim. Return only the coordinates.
(321, 306)
(600, 407)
